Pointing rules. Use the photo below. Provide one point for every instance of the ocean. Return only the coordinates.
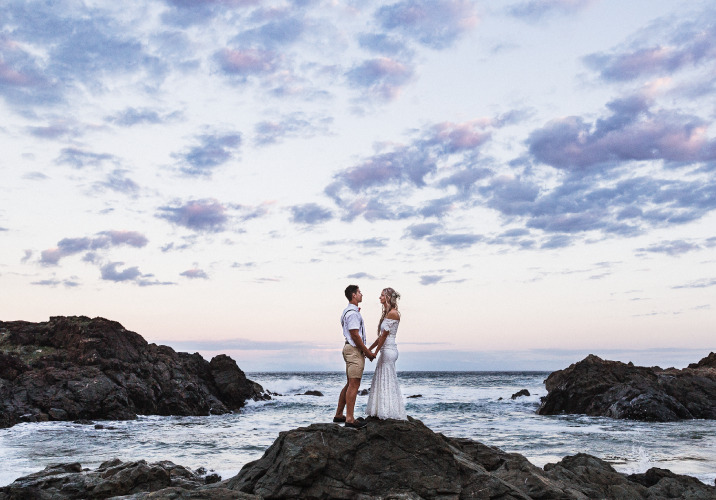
(475, 405)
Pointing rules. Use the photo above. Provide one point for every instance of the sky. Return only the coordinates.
(536, 178)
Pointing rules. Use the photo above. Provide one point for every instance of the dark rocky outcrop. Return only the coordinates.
(311, 393)
(519, 394)
(116, 479)
(621, 390)
(405, 459)
(385, 460)
(77, 368)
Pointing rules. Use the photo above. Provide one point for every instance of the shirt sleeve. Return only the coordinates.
(353, 321)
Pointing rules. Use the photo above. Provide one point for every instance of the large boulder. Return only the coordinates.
(80, 368)
(614, 389)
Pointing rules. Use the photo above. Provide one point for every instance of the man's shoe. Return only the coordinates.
(358, 424)
(339, 420)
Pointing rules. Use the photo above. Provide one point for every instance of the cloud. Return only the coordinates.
(53, 131)
(383, 77)
(111, 273)
(212, 151)
(673, 247)
(75, 50)
(559, 241)
(534, 10)
(433, 23)
(702, 283)
(293, 125)
(310, 214)
(442, 155)
(280, 31)
(117, 181)
(384, 44)
(103, 240)
(632, 132)
(677, 47)
(195, 274)
(361, 275)
(240, 64)
(206, 215)
(457, 241)
(419, 231)
(35, 176)
(373, 242)
(366, 243)
(130, 117)
(80, 159)
(69, 283)
(185, 13)
(430, 279)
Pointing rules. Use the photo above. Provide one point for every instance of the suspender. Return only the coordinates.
(343, 320)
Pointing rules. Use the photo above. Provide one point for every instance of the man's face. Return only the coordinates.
(358, 296)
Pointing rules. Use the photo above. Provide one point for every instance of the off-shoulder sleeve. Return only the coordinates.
(391, 325)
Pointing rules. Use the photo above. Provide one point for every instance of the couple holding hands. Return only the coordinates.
(385, 399)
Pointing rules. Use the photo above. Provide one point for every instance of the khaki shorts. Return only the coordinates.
(355, 361)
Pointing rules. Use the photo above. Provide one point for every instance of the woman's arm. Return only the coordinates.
(381, 340)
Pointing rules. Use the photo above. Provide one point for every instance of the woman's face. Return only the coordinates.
(382, 297)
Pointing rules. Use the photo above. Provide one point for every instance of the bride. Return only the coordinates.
(385, 399)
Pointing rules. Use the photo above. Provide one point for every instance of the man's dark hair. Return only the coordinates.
(350, 290)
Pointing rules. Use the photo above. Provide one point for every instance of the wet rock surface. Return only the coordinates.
(385, 460)
(77, 368)
(405, 459)
(113, 479)
(519, 394)
(614, 389)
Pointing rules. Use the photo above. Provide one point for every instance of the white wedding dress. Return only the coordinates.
(385, 399)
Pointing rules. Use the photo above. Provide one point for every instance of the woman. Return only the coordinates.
(386, 400)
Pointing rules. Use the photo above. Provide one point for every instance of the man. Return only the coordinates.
(354, 354)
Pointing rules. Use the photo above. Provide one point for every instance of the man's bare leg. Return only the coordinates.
(342, 401)
(351, 395)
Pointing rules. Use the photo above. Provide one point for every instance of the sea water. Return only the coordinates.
(475, 405)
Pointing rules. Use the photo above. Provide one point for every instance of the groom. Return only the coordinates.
(354, 354)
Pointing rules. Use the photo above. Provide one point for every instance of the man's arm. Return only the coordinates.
(355, 335)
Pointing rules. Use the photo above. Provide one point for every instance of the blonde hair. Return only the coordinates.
(392, 298)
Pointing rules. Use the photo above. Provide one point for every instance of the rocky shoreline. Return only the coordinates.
(77, 368)
(386, 459)
(614, 389)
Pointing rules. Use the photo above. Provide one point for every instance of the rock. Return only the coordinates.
(389, 459)
(618, 390)
(128, 480)
(79, 369)
(405, 459)
(364, 392)
(311, 393)
(519, 394)
(212, 478)
(415, 396)
(385, 458)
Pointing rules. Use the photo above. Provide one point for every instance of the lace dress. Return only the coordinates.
(385, 399)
